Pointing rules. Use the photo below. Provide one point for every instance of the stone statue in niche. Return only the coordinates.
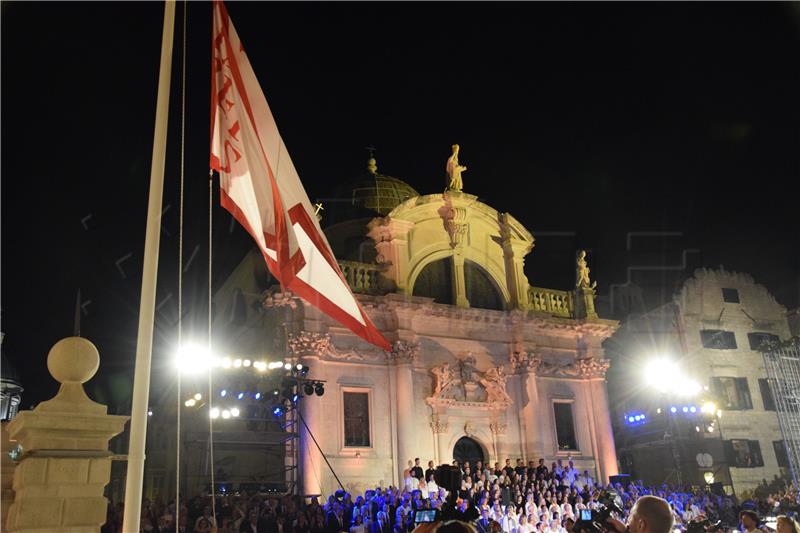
(582, 272)
(494, 381)
(454, 170)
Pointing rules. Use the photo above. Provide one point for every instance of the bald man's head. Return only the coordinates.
(650, 514)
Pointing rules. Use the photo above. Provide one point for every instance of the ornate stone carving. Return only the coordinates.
(308, 343)
(494, 381)
(457, 226)
(454, 170)
(278, 299)
(469, 429)
(525, 362)
(586, 368)
(467, 386)
(438, 424)
(498, 428)
(403, 351)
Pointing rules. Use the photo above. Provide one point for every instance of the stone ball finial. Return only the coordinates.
(73, 360)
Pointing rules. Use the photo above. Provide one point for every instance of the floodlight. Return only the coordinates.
(277, 411)
(658, 411)
(189, 403)
(274, 364)
(193, 359)
(234, 412)
(308, 388)
(226, 363)
(240, 396)
(223, 393)
(319, 389)
(287, 366)
(711, 429)
(214, 413)
(673, 409)
(298, 366)
(631, 419)
(685, 409)
(149, 413)
(237, 363)
(295, 398)
(226, 414)
(198, 396)
(246, 362)
(693, 409)
(257, 396)
(708, 408)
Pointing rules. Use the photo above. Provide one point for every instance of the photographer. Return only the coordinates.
(650, 514)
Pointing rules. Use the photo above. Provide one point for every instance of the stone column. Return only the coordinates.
(65, 463)
(526, 364)
(439, 427)
(457, 228)
(403, 354)
(514, 252)
(606, 451)
(498, 429)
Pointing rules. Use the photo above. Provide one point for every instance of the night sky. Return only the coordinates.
(584, 121)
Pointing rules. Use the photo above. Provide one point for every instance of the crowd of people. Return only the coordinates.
(519, 498)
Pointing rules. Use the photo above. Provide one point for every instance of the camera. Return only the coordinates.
(704, 526)
(594, 520)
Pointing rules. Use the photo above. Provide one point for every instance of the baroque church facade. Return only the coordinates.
(484, 365)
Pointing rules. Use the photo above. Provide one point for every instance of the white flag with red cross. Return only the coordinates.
(260, 187)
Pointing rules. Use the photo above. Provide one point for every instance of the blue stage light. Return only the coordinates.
(673, 409)
(295, 398)
(693, 409)
(223, 392)
(240, 395)
(685, 409)
(277, 411)
(258, 396)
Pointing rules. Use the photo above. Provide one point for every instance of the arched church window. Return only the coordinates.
(436, 281)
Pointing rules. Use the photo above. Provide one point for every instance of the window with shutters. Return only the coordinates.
(730, 296)
(742, 453)
(356, 419)
(766, 394)
(717, 339)
(757, 339)
(780, 453)
(732, 394)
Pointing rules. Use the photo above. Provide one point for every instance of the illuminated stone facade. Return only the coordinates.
(477, 351)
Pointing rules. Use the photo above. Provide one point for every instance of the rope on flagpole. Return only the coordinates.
(210, 367)
(180, 281)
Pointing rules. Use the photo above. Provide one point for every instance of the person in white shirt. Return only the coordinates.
(431, 485)
(524, 525)
(509, 523)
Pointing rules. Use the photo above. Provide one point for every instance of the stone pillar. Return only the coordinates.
(311, 461)
(526, 364)
(65, 463)
(498, 429)
(403, 355)
(456, 220)
(439, 427)
(606, 451)
(514, 252)
(584, 303)
(459, 284)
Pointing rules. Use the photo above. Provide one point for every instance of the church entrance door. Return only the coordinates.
(467, 449)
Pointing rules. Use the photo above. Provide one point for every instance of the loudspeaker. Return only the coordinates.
(624, 479)
(716, 488)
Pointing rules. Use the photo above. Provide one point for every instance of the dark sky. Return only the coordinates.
(585, 121)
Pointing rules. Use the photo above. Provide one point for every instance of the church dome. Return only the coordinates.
(367, 196)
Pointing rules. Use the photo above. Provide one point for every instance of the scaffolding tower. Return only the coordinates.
(782, 361)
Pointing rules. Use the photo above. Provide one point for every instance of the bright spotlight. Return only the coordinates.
(190, 402)
(693, 409)
(658, 411)
(214, 413)
(719, 413)
(697, 429)
(240, 396)
(287, 366)
(685, 409)
(631, 419)
(661, 374)
(295, 398)
(198, 396)
(223, 393)
(687, 387)
(246, 362)
(257, 396)
(234, 412)
(298, 366)
(193, 359)
(277, 411)
(237, 363)
(673, 409)
(226, 414)
(708, 408)
(226, 363)
(710, 429)
(274, 364)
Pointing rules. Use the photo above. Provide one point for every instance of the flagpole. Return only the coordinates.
(144, 342)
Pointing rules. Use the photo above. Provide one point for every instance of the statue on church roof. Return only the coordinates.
(454, 170)
(582, 272)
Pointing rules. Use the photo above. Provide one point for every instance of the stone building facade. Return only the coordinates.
(724, 317)
(483, 365)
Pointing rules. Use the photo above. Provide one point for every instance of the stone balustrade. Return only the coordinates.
(557, 303)
(362, 277)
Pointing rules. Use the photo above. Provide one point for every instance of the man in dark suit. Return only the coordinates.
(431, 470)
(417, 471)
(334, 522)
